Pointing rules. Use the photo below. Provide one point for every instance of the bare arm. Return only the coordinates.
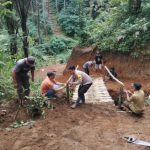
(127, 94)
(59, 83)
(14, 76)
(60, 88)
(76, 83)
(32, 75)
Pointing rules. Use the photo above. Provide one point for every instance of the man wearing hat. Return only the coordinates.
(21, 78)
(135, 100)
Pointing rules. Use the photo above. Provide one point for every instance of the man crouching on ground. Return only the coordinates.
(135, 102)
(82, 79)
(50, 87)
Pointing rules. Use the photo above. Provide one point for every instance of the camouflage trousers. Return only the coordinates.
(23, 86)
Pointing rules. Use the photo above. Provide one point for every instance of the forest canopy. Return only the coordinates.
(114, 25)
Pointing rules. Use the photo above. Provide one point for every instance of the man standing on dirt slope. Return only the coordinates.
(87, 65)
(98, 60)
(82, 79)
(21, 78)
(50, 87)
(135, 102)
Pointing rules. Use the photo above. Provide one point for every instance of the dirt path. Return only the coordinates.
(51, 15)
(89, 127)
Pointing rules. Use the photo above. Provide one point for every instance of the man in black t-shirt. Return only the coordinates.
(98, 60)
(20, 76)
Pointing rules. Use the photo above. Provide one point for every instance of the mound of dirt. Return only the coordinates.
(129, 69)
(89, 127)
(126, 66)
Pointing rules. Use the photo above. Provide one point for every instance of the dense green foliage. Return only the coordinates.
(3, 10)
(6, 63)
(115, 25)
(120, 30)
(36, 103)
(72, 19)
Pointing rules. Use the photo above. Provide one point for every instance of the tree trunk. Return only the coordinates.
(22, 7)
(13, 45)
(38, 23)
(25, 37)
(12, 35)
(10, 23)
(134, 6)
(44, 16)
(56, 2)
(64, 4)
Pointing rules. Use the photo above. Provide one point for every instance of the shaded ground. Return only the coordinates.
(89, 127)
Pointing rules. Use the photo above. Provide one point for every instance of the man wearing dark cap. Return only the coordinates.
(79, 78)
(135, 100)
(21, 78)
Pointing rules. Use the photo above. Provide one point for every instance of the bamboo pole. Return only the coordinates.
(121, 83)
(67, 87)
(120, 101)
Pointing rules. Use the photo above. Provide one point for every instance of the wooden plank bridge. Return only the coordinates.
(97, 93)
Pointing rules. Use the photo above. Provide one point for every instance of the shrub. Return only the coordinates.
(36, 104)
(7, 91)
(70, 24)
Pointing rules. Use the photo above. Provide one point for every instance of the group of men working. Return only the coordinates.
(98, 62)
(50, 87)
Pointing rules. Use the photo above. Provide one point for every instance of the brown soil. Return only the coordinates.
(89, 127)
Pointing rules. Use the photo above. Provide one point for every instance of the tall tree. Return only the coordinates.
(134, 6)
(56, 3)
(11, 24)
(64, 4)
(22, 7)
(95, 9)
(38, 21)
(44, 15)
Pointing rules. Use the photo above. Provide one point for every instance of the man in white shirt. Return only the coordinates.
(87, 65)
(82, 79)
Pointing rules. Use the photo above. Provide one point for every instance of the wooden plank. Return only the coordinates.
(96, 94)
